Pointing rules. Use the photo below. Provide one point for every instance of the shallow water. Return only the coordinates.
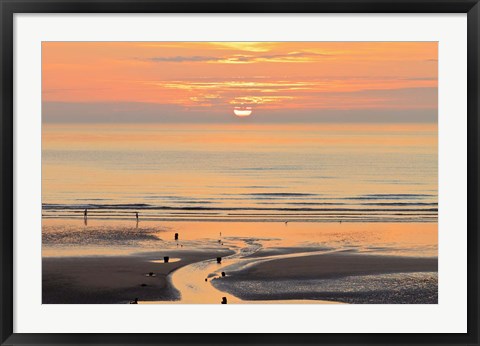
(170, 260)
(253, 243)
(203, 283)
(70, 237)
(398, 288)
(369, 188)
(194, 281)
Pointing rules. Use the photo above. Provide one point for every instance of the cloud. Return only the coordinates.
(195, 58)
(293, 55)
(246, 46)
(238, 58)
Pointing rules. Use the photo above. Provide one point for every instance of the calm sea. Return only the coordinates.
(241, 172)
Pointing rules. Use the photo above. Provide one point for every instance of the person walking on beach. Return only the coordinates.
(136, 215)
(85, 212)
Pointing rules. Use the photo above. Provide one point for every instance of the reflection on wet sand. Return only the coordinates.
(301, 263)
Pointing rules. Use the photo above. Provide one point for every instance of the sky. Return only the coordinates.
(203, 82)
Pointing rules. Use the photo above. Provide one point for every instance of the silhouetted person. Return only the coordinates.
(85, 213)
(286, 223)
(135, 301)
(223, 274)
(224, 300)
(219, 259)
(176, 236)
(165, 259)
(136, 215)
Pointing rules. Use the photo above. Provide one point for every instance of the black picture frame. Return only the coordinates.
(10, 7)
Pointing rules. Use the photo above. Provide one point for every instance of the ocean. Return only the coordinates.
(241, 172)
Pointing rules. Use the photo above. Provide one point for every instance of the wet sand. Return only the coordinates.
(336, 265)
(108, 262)
(337, 276)
(280, 275)
(115, 279)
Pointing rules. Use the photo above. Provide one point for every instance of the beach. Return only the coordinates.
(299, 213)
(341, 277)
(268, 172)
(295, 263)
(115, 279)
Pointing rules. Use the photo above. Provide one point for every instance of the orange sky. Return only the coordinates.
(186, 80)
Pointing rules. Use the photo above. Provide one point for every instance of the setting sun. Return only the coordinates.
(242, 111)
(239, 173)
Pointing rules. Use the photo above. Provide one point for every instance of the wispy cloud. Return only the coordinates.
(246, 46)
(215, 77)
(194, 58)
(239, 58)
(321, 93)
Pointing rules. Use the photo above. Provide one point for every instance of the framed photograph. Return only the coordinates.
(246, 172)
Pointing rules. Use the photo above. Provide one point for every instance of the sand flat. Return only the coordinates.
(115, 279)
(334, 265)
(339, 276)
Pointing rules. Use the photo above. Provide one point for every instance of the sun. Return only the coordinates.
(242, 111)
